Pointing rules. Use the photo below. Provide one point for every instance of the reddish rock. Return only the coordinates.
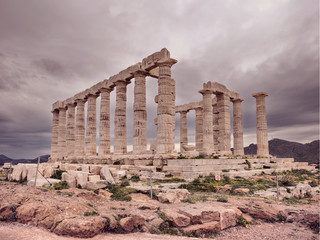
(224, 189)
(127, 224)
(6, 211)
(227, 218)
(210, 215)
(179, 220)
(241, 191)
(261, 210)
(84, 227)
(203, 228)
(111, 220)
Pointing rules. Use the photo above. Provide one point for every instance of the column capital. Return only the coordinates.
(206, 92)
(80, 101)
(105, 90)
(70, 104)
(237, 100)
(259, 94)
(167, 62)
(184, 111)
(121, 82)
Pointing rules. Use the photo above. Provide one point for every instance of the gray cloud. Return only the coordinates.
(51, 51)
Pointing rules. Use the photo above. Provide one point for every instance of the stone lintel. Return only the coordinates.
(154, 72)
(127, 74)
(150, 62)
(58, 105)
(260, 94)
(139, 73)
(95, 89)
(193, 105)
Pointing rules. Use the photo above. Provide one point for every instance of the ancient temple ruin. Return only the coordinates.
(72, 141)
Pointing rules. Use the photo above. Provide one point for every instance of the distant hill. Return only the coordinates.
(308, 152)
(5, 159)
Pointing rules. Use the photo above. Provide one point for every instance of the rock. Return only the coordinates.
(73, 167)
(227, 218)
(178, 220)
(261, 210)
(17, 172)
(43, 182)
(6, 166)
(188, 148)
(95, 169)
(81, 178)
(84, 227)
(237, 211)
(209, 215)
(301, 189)
(121, 173)
(31, 171)
(48, 171)
(248, 218)
(195, 215)
(241, 191)
(130, 223)
(94, 178)
(7, 211)
(106, 174)
(174, 195)
(85, 168)
(209, 227)
(70, 179)
(96, 185)
(224, 189)
(111, 221)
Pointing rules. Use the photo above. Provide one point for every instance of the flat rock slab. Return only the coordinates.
(43, 182)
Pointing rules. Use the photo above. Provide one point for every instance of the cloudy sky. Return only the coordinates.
(51, 50)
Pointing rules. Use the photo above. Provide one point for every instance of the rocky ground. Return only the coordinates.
(84, 213)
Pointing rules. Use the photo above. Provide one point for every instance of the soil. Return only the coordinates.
(272, 231)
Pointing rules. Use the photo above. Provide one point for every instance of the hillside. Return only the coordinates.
(4, 159)
(308, 152)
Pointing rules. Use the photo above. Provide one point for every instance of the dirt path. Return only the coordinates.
(266, 231)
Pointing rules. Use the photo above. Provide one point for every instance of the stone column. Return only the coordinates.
(224, 137)
(166, 108)
(80, 128)
(91, 130)
(104, 129)
(62, 133)
(183, 130)
(207, 146)
(140, 114)
(215, 127)
(262, 130)
(237, 127)
(55, 134)
(120, 120)
(70, 129)
(199, 129)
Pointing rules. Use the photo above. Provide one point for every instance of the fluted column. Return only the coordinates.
(80, 128)
(120, 120)
(207, 146)
(104, 129)
(139, 114)
(215, 127)
(183, 130)
(199, 129)
(224, 137)
(70, 129)
(166, 108)
(55, 134)
(262, 130)
(62, 133)
(91, 130)
(237, 127)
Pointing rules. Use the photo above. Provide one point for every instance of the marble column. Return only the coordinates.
(70, 129)
(139, 114)
(166, 108)
(183, 130)
(55, 134)
(62, 133)
(262, 130)
(80, 128)
(120, 120)
(104, 129)
(91, 130)
(199, 129)
(207, 146)
(237, 127)
(215, 127)
(224, 137)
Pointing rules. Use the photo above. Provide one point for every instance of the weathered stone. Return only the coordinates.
(70, 179)
(178, 220)
(237, 127)
(241, 191)
(104, 129)
(43, 182)
(96, 185)
(95, 169)
(227, 218)
(260, 210)
(209, 227)
(129, 223)
(174, 195)
(84, 227)
(91, 131)
(106, 174)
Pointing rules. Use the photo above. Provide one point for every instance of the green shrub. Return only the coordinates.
(181, 156)
(242, 222)
(281, 217)
(135, 178)
(60, 185)
(93, 213)
(287, 180)
(57, 174)
(313, 183)
(120, 193)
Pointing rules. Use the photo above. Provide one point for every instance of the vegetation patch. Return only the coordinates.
(92, 213)
(60, 185)
(120, 193)
(57, 174)
(243, 222)
(135, 178)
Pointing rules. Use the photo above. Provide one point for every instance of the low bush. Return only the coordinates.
(57, 174)
(60, 185)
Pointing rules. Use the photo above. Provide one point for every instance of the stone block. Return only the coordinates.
(94, 178)
(174, 195)
(70, 179)
(43, 182)
(209, 227)
(106, 174)
(178, 220)
(96, 185)
(95, 169)
(85, 168)
(17, 172)
(81, 178)
(228, 218)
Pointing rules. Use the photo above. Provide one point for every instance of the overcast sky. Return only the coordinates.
(51, 50)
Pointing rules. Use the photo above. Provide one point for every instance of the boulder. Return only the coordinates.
(301, 189)
(106, 174)
(224, 189)
(70, 179)
(178, 220)
(241, 191)
(174, 195)
(130, 223)
(96, 185)
(6, 166)
(209, 227)
(83, 227)
(95, 169)
(85, 168)
(111, 221)
(94, 178)
(228, 218)
(17, 172)
(43, 182)
(81, 177)
(7, 211)
(48, 171)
